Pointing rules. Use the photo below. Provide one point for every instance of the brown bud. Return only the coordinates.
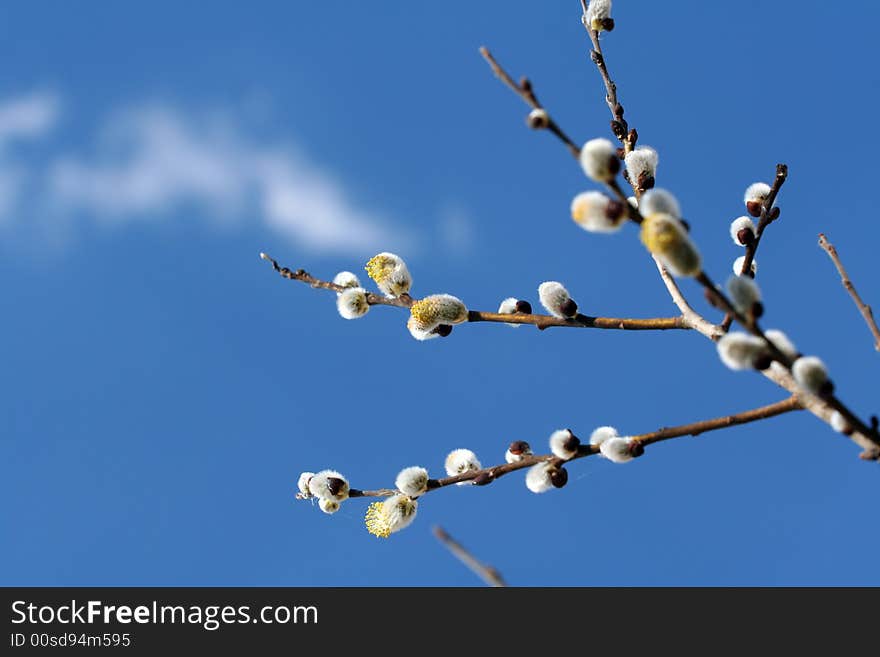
(538, 119)
(757, 310)
(432, 484)
(523, 307)
(572, 443)
(632, 137)
(607, 24)
(559, 477)
(745, 236)
(618, 128)
(875, 422)
(774, 213)
(615, 209)
(525, 84)
(686, 225)
(335, 485)
(636, 448)
(443, 330)
(518, 447)
(569, 308)
(646, 182)
(827, 389)
(621, 153)
(754, 208)
(482, 479)
(763, 361)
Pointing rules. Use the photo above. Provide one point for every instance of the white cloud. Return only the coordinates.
(27, 117)
(152, 162)
(23, 118)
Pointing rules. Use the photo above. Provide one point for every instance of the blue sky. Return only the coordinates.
(162, 389)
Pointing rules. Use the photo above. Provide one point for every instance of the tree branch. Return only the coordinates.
(847, 283)
(524, 90)
(540, 321)
(866, 437)
(769, 214)
(485, 572)
(486, 476)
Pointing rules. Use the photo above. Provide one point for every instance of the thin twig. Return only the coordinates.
(864, 308)
(488, 475)
(487, 573)
(692, 318)
(525, 91)
(866, 437)
(619, 126)
(769, 214)
(540, 321)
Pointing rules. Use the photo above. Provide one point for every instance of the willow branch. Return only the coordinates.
(619, 126)
(866, 437)
(865, 309)
(692, 318)
(769, 214)
(525, 91)
(540, 321)
(488, 475)
(487, 573)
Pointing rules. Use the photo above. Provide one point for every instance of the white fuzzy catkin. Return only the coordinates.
(741, 351)
(346, 279)
(601, 434)
(738, 225)
(782, 342)
(738, 265)
(744, 293)
(303, 484)
(596, 213)
(352, 303)
(390, 274)
(599, 160)
(810, 373)
(508, 307)
(538, 478)
(515, 457)
(413, 326)
(554, 297)
(616, 450)
(391, 515)
(412, 481)
(641, 161)
(319, 486)
(459, 461)
(328, 506)
(564, 444)
(664, 236)
(839, 423)
(598, 13)
(659, 201)
(437, 309)
(756, 193)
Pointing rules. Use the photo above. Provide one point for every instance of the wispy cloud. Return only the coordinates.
(27, 117)
(22, 119)
(150, 161)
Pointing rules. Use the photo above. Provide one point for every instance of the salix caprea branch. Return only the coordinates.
(516, 315)
(864, 308)
(665, 234)
(545, 471)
